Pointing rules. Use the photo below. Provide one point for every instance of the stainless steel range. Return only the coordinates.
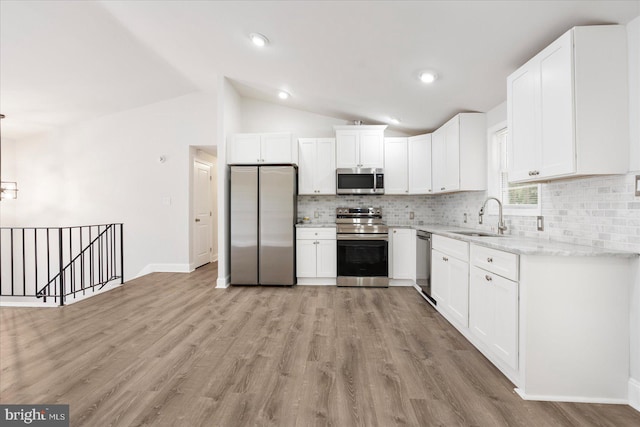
(363, 247)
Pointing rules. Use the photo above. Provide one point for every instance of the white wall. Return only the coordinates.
(229, 117)
(261, 116)
(8, 172)
(108, 170)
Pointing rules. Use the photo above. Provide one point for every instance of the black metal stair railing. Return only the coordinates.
(59, 262)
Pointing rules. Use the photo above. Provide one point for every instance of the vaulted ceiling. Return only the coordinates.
(66, 61)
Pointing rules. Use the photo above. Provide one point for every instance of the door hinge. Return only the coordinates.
(210, 178)
(210, 213)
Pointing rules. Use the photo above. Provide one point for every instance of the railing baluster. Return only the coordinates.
(61, 267)
(35, 243)
(121, 254)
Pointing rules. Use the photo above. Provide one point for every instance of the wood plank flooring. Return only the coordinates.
(171, 350)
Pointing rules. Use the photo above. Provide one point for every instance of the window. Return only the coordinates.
(517, 199)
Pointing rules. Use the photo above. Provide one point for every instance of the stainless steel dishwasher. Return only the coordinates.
(423, 263)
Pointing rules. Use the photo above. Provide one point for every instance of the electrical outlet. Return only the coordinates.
(411, 215)
(316, 214)
(540, 223)
(465, 218)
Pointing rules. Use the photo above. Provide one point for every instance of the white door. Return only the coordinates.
(419, 164)
(325, 167)
(306, 258)
(307, 165)
(245, 149)
(326, 258)
(557, 156)
(202, 212)
(395, 170)
(372, 149)
(347, 154)
(276, 148)
(524, 147)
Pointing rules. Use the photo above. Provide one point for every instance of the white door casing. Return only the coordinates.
(202, 213)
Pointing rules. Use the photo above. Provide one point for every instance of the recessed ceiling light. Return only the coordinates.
(258, 39)
(394, 121)
(283, 95)
(428, 76)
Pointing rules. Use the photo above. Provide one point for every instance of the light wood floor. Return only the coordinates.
(169, 349)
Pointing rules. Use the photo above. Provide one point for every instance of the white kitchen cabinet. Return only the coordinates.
(532, 315)
(317, 166)
(450, 279)
(396, 173)
(262, 148)
(459, 154)
(493, 313)
(402, 249)
(419, 164)
(316, 256)
(407, 165)
(564, 102)
(360, 146)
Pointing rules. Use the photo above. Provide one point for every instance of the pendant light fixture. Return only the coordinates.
(8, 189)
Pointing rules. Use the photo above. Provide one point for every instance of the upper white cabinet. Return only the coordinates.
(459, 151)
(567, 108)
(407, 165)
(317, 166)
(360, 146)
(262, 148)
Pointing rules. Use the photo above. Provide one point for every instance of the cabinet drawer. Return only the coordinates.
(316, 233)
(502, 263)
(453, 247)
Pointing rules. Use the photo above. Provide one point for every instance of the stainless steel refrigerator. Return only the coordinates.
(263, 217)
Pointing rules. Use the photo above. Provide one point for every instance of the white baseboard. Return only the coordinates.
(164, 268)
(38, 302)
(576, 399)
(223, 282)
(634, 394)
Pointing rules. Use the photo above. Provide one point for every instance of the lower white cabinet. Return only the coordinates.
(402, 254)
(316, 255)
(493, 314)
(450, 279)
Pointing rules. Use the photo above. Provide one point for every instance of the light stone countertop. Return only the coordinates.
(524, 245)
(317, 225)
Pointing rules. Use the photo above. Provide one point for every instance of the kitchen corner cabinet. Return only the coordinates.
(316, 256)
(317, 166)
(450, 279)
(360, 146)
(402, 250)
(459, 154)
(536, 315)
(407, 165)
(567, 107)
(262, 148)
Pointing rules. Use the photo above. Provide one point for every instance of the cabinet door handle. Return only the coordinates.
(442, 188)
(489, 259)
(444, 258)
(488, 278)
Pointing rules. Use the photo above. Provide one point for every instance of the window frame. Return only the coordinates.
(494, 188)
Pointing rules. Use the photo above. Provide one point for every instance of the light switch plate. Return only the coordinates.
(411, 215)
(637, 185)
(540, 223)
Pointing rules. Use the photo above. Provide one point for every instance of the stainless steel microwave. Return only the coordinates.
(359, 181)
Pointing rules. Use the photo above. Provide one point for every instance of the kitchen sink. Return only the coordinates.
(477, 234)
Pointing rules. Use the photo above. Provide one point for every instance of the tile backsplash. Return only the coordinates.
(597, 211)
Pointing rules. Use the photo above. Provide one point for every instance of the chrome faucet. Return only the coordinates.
(501, 226)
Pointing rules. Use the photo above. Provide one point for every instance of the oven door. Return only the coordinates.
(363, 261)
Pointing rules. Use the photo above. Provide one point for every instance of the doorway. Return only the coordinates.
(203, 213)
